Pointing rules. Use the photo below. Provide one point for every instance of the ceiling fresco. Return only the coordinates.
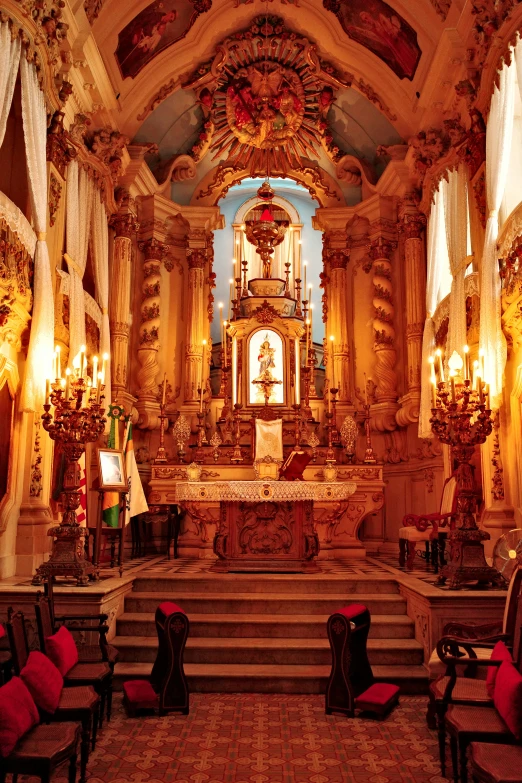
(159, 25)
(377, 26)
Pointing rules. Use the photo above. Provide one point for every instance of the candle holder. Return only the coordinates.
(181, 433)
(460, 418)
(369, 454)
(349, 437)
(199, 455)
(298, 310)
(313, 442)
(330, 454)
(236, 451)
(215, 442)
(72, 424)
(297, 425)
(287, 278)
(161, 454)
(244, 264)
(306, 378)
(335, 434)
(312, 359)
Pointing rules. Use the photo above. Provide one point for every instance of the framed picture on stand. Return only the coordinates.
(111, 470)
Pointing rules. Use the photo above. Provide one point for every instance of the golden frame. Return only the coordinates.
(110, 470)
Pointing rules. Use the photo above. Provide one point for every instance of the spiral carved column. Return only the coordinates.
(383, 413)
(197, 314)
(411, 226)
(125, 226)
(147, 375)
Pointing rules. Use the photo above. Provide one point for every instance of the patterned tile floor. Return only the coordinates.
(425, 572)
(185, 566)
(258, 738)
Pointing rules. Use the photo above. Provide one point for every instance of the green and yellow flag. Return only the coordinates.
(111, 500)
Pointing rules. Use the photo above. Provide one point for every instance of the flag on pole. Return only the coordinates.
(111, 500)
(136, 502)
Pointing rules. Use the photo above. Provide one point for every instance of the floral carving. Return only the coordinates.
(265, 313)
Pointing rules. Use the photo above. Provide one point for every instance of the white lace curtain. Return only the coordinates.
(9, 61)
(437, 251)
(100, 257)
(80, 191)
(498, 146)
(41, 342)
(456, 221)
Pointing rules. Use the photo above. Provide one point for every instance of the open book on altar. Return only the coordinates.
(294, 465)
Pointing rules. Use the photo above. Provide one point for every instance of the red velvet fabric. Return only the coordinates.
(508, 697)
(168, 608)
(380, 694)
(140, 693)
(500, 653)
(43, 681)
(18, 714)
(2, 631)
(352, 610)
(61, 649)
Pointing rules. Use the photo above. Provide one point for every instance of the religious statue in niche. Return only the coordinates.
(377, 26)
(157, 26)
(266, 368)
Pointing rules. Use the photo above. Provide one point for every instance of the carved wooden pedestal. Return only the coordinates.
(266, 536)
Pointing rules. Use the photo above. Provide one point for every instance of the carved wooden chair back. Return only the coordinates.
(17, 639)
(44, 618)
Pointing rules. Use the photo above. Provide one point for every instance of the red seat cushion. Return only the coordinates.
(500, 653)
(61, 649)
(352, 610)
(379, 694)
(2, 631)
(43, 680)
(18, 714)
(168, 608)
(508, 697)
(140, 693)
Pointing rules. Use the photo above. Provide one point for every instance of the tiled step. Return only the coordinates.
(270, 583)
(229, 626)
(249, 678)
(290, 603)
(268, 651)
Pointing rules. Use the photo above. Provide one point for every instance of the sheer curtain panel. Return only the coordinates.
(498, 145)
(436, 251)
(100, 257)
(9, 62)
(456, 219)
(41, 342)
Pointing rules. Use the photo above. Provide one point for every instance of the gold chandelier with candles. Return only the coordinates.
(73, 417)
(461, 418)
(266, 233)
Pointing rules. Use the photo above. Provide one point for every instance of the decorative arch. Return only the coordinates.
(279, 201)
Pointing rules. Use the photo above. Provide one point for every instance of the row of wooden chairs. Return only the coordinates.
(84, 700)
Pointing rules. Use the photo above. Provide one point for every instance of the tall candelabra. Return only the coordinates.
(462, 419)
(77, 419)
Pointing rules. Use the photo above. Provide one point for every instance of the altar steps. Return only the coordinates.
(267, 632)
(252, 678)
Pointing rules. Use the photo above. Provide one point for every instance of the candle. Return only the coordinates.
(67, 382)
(466, 362)
(164, 389)
(201, 377)
(481, 361)
(47, 391)
(452, 382)
(95, 371)
(332, 360)
(311, 327)
(98, 388)
(58, 362)
(225, 343)
(475, 374)
(307, 341)
(305, 264)
(231, 296)
(481, 390)
(433, 394)
(441, 367)
(433, 377)
(365, 390)
(82, 361)
(104, 362)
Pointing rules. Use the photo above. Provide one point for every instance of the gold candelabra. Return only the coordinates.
(73, 417)
(461, 418)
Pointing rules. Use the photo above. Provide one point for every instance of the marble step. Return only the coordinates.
(251, 678)
(270, 583)
(393, 626)
(266, 603)
(268, 651)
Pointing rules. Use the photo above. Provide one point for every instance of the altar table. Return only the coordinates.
(265, 525)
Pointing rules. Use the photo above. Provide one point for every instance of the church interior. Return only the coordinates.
(261, 391)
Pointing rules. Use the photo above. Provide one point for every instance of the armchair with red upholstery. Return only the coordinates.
(418, 528)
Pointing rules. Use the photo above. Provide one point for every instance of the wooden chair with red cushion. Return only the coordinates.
(27, 748)
(45, 684)
(499, 724)
(495, 763)
(424, 528)
(60, 647)
(6, 660)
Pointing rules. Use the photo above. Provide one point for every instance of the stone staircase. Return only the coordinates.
(267, 632)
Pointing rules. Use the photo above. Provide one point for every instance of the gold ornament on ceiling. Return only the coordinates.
(266, 96)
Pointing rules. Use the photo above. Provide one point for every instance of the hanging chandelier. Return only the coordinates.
(266, 233)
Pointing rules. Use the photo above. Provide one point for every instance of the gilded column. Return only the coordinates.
(149, 332)
(383, 413)
(125, 226)
(338, 320)
(197, 329)
(411, 226)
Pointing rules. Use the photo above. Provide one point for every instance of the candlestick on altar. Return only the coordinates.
(452, 384)
(438, 353)
(433, 394)
(331, 359)
(369, 455)
(230, 297)
(161, 455)
(433, 377)
(298, 310)
(466, 362)
(164, 391)
(236, 455)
